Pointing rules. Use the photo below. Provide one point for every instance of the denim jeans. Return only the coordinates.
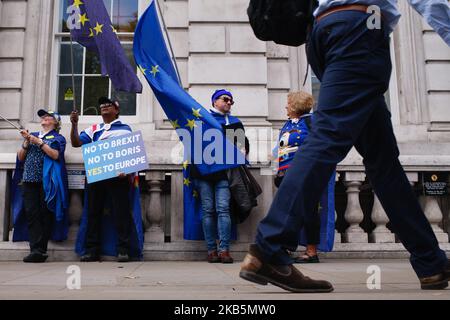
(216, 221)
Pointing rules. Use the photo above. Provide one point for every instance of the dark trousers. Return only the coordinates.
(311, 226)
(353, 64)
(117, 191)
(39, 219)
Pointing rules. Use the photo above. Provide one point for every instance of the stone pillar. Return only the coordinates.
(75, 213)
(154, 213)
(176, 208)
(380, 234)
(354, 214)
(434, 215)
(337, 235)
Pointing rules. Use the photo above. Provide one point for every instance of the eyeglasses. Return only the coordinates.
(106, 105)
(227, 100)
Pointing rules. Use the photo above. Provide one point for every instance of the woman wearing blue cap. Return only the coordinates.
(39, 207)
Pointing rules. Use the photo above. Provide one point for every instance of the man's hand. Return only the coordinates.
(121, 175)
(74, 117)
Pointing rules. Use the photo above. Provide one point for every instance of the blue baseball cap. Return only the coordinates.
(218, 93)
(41, 113)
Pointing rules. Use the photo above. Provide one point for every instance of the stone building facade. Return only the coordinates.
(215, 48)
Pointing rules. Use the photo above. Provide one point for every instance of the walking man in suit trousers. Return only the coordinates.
(353, 63)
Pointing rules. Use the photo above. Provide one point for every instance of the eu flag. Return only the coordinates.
(91, 27)
(191, 121)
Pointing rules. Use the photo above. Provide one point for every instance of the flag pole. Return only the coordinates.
(20, 129)
(74, 108)
(170, 44)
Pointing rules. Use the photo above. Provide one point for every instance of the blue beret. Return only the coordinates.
(219, 93)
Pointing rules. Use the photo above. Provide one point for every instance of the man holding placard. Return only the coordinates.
(113, 192)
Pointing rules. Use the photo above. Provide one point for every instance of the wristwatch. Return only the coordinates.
(41, 144)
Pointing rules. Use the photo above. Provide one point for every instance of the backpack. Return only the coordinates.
(284, 22)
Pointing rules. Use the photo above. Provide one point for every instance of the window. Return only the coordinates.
(89, 83)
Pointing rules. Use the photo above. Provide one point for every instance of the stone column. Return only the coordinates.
(75, 213)
(380, 234)
(176, 209)
(337, 235)
(354, 214)
(154, 213)
(434, 215)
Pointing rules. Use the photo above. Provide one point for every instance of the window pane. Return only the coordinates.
(64, 4)
(108, 6)
(125, 15)
(94, 88)
(92, 63)
(128, 47)
(127, 102)
(65, 66)
(65, 94)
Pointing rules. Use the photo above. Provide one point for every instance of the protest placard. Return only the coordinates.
(108, 158)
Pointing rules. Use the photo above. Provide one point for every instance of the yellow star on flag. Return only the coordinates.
(191, 124)
(195, 194)
(185, 164)
(98, 28)
(154, 71)
(187, 182)
(175, 124)
(142, 69)
(113, 29)
(196, 113)
(77, 3)
(92, 33)
(83, 19)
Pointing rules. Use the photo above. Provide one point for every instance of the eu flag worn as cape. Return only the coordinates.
(108, 228)
(186, 114)
(56, 195)
(93, 29)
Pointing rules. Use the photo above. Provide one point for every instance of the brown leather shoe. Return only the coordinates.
(286, 277)
(213, 257)
(436, 282)
(225, 257)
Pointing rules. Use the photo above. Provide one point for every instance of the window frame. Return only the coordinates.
(56, 41)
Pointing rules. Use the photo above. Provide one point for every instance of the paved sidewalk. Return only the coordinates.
(202, 281)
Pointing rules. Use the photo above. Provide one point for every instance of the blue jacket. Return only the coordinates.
(292, 136)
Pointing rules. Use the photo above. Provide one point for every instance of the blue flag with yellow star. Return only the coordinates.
(204, 142)
(92, 28)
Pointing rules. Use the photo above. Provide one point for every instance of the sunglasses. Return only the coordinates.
(227, 100)
(107, 105)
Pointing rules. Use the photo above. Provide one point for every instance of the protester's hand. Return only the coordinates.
(121, 175)
(74, 117)
(35, 140)
(25, 134)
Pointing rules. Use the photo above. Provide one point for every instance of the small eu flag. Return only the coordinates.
(90, 25)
